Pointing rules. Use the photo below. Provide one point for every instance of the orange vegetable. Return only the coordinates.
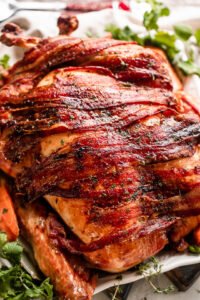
(196, 236)
(8, 219)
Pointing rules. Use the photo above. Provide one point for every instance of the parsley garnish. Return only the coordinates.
(167, 41)
(158, 9)
(15, 282)
(125, 34)
(189, 67)
(4, 61)
(194, 249)
(197, 36)
(184, 32)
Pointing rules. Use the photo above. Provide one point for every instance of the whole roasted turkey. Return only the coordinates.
(101, 130)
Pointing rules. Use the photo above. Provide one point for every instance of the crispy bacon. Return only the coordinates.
(71, 279)
(12, 35)
(67, 24)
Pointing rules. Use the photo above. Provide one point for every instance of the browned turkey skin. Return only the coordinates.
(68, 273)
(102, 130)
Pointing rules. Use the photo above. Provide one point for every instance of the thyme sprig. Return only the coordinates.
(150, 271)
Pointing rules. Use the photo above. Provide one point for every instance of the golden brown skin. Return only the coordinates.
(103, 131)
(113, 258)
(68, 274)
(184, 227)
(122, 256)
(67, 24)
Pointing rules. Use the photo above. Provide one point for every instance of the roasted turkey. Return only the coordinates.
(102, 130)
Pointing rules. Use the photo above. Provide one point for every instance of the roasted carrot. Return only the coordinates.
(197, 235)
(8, 219)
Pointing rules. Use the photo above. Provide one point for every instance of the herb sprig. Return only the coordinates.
(194, 249)
(158, 9)
(4, 61)
(172, 42)
(15, 282)
(150, 271)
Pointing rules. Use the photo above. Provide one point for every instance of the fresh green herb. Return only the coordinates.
(188, 67)
(115, 293)
(15, 282)
(150, 271)
(197, 36)
(194, 249)
(167, 41)
(158, 10)
(125, 34)
(184, 32)
(4, 61)
(10, 250)
(161, 39)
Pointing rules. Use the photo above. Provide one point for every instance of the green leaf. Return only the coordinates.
(12, 251)
(184, 32)
(188, 67)
(165, 12)
(150, 20)
(165, 41)
(3, 239)
(4, 61)
(125, 34)
(194, 249)
(163, 38)
(158, 10)
(15, 282)
(197, 36)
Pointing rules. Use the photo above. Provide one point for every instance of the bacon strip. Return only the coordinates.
(99, 129)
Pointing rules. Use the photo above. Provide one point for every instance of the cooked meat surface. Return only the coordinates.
(69, 275)
(103, 131)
